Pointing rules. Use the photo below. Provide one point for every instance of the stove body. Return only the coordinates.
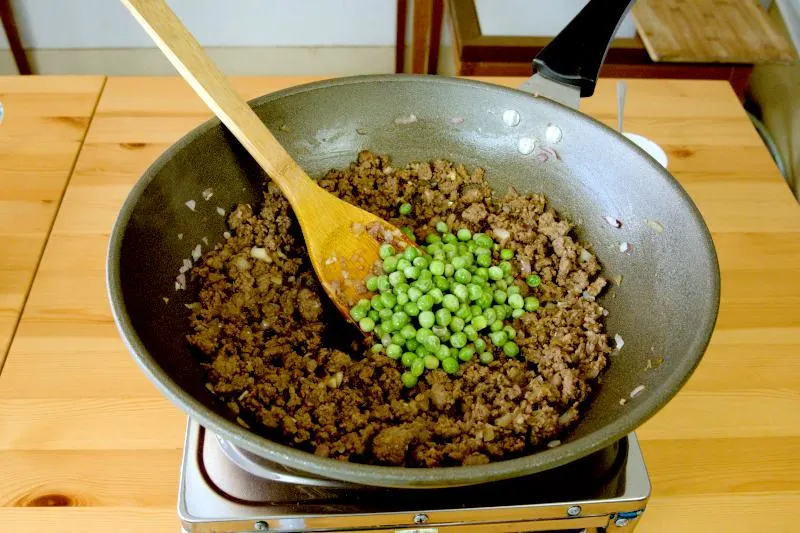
(220, 493)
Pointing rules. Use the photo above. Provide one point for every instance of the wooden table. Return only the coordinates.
(41, 133)
(88, 445)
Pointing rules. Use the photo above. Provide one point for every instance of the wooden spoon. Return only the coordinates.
(342, 240)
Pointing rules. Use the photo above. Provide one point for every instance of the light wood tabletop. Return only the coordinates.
(41, 131)
(87, 444)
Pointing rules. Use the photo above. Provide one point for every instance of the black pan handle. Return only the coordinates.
(575, 55)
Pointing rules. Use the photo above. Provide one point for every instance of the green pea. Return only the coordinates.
(409, 380)
(394, 351)
(389, 300)
(533, 280)
(456, 324)
(510, 331)
(448, 270)
(437, 295)
(484, 260)
(412, 344)
(485, 301)
(501, 284)
(498, 338)
(470, 332)
(385, 314)
(443, 317)
(396, 278)
(425, 285)
(436, 267)
(376, 302)
(484, 241)
(516, 313)
(432, 343)
(408, 232)
(516, 301)
(421, 351)
(449, 238)
(402, 298)
(480, 322)
(377, 348)
(464, 234)
(373, 314)
(459, 262)
(411, 308)
(366, 324)
(403, 263)
(460, 291)
(411, 272)
(495, 273)
(372, 283)
(425, 302)
(441, 227)
(431, 362)
(422, 334)
(441, 332)
(480, 345)
(531, 303)
(426, 319)
(386, 250)
(464, 312)
(474, 291)
(506, 254)
(443, 352)
(497, 325)
(450, 301)
(383, 284)
(491, 315)
(499, 296)
(505, 266)
(450, 365)
(454, 352)
(442, 283)
(486, 357)
(408, 331)
(458, 340)
(405, 209)
(358, 312)
(414, 294)
(418, 367)
(399, 320)
(513, 289)
(510, 349)
(402, 288)
(425, 275)
(398, 339)
(432, 238)
(462, 275)
(466, 353)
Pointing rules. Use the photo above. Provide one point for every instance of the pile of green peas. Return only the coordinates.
(445, 305)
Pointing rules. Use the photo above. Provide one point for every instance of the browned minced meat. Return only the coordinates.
(283, 359)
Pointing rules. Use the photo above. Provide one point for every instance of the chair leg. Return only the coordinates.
(10, 27)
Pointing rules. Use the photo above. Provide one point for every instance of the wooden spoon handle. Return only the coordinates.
(188, 57)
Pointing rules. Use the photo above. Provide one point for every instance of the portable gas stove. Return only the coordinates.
(226, 490)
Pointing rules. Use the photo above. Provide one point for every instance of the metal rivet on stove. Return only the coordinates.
(421, 519)
(574, 510)
(261, 526)
(621, 522)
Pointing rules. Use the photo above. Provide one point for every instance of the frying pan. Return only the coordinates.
(664, 310)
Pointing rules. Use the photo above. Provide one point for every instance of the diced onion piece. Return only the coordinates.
(524, 265)
(554, 443)
(220, 211)
(260, 253)
(613, 221)
(191, 204)
(635, 392)
(207, 194)
(618, 342)
(196, 252)
(501, 233)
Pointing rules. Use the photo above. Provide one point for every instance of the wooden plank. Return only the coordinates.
(40, 137)
(80, 425)
(710, 31)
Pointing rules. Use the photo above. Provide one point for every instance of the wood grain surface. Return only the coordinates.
(45, 120)
(710, 31)
(87, 444)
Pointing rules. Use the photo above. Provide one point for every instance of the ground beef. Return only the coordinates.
(279, 354)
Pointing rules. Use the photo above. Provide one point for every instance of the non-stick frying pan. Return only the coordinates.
(664, 309)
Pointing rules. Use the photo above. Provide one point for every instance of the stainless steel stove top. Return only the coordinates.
(218, 493)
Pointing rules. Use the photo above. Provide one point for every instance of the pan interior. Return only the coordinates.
(664, 309)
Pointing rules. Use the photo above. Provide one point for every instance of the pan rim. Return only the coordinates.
(392, 476)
